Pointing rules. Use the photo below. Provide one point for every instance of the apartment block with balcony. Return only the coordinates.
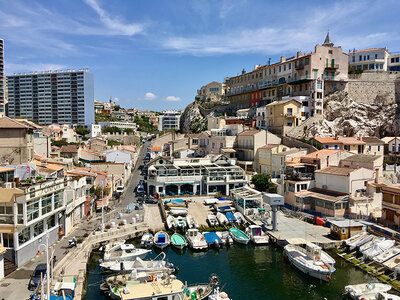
(309, 75)
(392, 148)
(28, 214)
(64, 97)
(283, 115)
(373, 59)
(169, 119)
(213, 141)
(196, 176)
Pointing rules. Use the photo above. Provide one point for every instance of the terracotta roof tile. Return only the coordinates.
(340, 171)
(321, 153)
(347, 140)
(327, 140)
(69, 149)
(249, 132)
(372, 140)
(7, 122)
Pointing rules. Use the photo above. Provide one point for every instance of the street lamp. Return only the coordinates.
(46, 248)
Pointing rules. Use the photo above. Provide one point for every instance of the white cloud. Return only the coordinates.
(118, 26)
(148, 96)
(172, 98)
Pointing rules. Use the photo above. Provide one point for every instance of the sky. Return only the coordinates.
(155, 54)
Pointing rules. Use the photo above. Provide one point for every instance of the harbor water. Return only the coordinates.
(247, 272)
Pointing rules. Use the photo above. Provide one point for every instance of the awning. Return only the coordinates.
(7, 195)
(7, 229)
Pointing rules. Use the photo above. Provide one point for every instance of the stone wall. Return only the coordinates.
(374, 87)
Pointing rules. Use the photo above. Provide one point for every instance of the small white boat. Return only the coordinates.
(161, 239)
(139, 266)
(171, 222)
(196, 239)
(178, 211)
(378, 248)
(191, 222)
(388, 254)
(147, 240)
(371, 243)
(239, 236)
(351, 242)
(210, 201)
(124, 252)
(393, 262)
(362, 242)
(359, 291)
(240, 218)
(257, 236)
(309, 261)
(222, 219)
(212, 220)
(180, 223)
(225, 237)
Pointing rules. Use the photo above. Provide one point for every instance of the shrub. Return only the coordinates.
(108, 226)
(79, 240)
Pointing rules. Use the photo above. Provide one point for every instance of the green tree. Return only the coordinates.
(112, 129)
(263, 183)
(128, 130)
(96, 191)
(82, 131)
(117, 108)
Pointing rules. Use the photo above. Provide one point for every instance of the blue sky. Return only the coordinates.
(156, 54)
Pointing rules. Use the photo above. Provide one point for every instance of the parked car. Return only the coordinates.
(142, 182)
(120, 189)
(150, 199)
(38, 273)
(140, 189)
(144, 171)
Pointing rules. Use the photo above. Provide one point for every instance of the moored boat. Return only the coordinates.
(358, 291)
(257, 236)
(124, 252)
(171, 222)
(240, 218)
(180, 223)
(218, 295)
(378, 248)
(212, 220)
(371, 243)
(178, 211)
(196, 239)
(191, 222)
(351, 242)
(212, 239)
(222, 219)
(147, 240)
(239, 236)
(178, 241)
(225, 237)
(388, 254)
(309, 261)
(231, 218)
(138, 265)
(161, 239)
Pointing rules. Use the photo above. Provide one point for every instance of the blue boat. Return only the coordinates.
(224, 208)
(231, 218)
(212, 239)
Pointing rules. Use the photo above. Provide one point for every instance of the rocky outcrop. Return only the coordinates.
(343, 116)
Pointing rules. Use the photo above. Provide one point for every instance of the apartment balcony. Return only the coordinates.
(332, 67)
(176, 179)
(297, 176)
(290, 115)
(300, 79)
(299, 67)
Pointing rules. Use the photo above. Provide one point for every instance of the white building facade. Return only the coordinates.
(374, 59)
(169, 119)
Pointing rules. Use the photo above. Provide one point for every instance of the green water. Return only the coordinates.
(248, 272)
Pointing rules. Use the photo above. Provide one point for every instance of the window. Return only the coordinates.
(367, 57)
(51, 222)
(376, 56)
(290, 66)
(392, 60)
(281, 160)
(353, 58)
(32, 210)
(38, 228)
(280, 68)
(24, 236)
(8, 240)
(270, 111)
(379, 148)
(360, 58)
(46, 205)
(330, 51)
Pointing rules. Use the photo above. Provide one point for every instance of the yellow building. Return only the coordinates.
(283, 115)
(263, 159)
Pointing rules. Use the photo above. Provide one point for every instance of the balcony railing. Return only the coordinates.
(300, 176)
(334, 66)
(290, 115)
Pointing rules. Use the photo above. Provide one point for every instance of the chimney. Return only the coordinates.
(283, 59)
(299, 53)
(255, 67)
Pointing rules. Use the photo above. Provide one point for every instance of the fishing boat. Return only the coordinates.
(212, 239)
(378, 248)
(386, 255)
(257, 236)
(225, 237)
(124, 252)
(161, 239)
(180, 223)
(222, 219)
(178, 241)
(176, 211)
(240, 218)
(158, 265)
(231, 218)
(239, 236)
(147, 240)
(171, 222)
(191, 222)
(196, 239)
(308, 260)
(212, 220)
(365, 290)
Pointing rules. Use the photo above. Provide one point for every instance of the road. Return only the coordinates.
(15, 285)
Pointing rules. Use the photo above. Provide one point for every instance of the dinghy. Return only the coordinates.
(362, 242)
(178, 211)
(180, 223)
(191, 222)
(161, 239)
(378, 248)
(240, 218)
(371, 243)
(175, 203)
(171, 222)
(225, 237)
(386, 255)
(212, 239)
(178, 241)
(147, 240)
(212, 220)
(239, 236)
(359, 291)
(351, 242)
(231, 218)
(210, 201)
(222, 219)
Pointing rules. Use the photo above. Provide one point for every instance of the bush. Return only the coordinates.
(218, 195)
(108, 226)
(86, 235)
(263, 183)
(121, 223)
(79, 240)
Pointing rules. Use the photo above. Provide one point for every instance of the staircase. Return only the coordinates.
(9, 267)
